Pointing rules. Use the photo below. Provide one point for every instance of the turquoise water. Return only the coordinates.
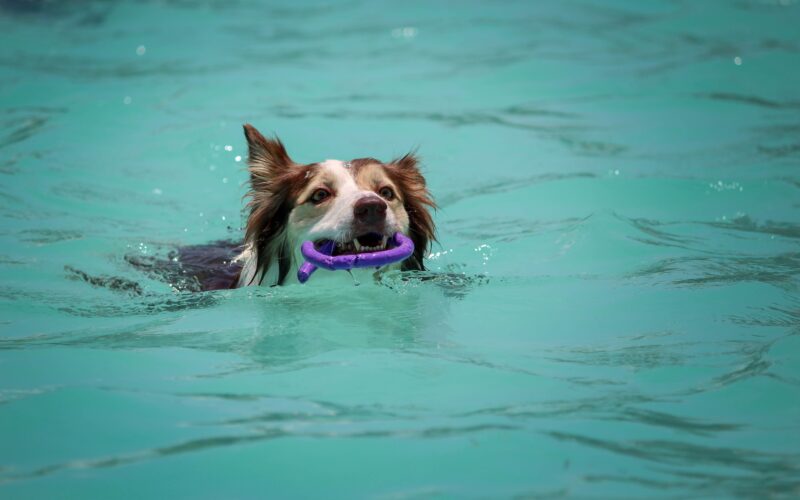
(614, 309)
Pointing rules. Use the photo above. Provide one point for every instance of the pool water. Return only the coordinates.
(612, 309)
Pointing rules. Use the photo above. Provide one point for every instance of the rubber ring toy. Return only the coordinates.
(322, 256)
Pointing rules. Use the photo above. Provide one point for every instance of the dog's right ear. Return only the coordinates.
(267, 158)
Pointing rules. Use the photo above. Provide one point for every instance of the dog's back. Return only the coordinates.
(194, 268)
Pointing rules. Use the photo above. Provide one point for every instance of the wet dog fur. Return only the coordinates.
(358, 204)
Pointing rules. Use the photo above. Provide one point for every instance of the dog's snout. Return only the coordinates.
(370, 210)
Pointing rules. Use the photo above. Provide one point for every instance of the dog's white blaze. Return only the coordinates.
(339, 216)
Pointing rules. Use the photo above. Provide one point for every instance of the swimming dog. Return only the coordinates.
(358, 204)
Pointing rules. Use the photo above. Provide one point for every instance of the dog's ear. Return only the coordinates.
(267, 158)
(417, 199)
(406, 170)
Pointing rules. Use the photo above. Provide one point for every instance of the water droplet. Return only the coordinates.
(140, 50)
(737, 61)
(127, 100)
(405, 32)
(238, 158)
(157, 191)
(355, 281)
(228, 147)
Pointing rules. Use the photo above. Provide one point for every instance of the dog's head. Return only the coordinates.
(358, 204)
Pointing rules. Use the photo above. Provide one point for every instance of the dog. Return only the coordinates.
(358, 204)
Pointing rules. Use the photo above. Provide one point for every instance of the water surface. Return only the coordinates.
(612, 308)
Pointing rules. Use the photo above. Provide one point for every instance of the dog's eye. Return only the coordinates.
(319, 196)
(386, 193)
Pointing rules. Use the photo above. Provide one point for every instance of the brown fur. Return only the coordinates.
(405, 173)
(275, 181)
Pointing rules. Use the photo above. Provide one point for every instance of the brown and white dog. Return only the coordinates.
(359, 204)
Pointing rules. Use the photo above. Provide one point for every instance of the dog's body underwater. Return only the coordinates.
(358, 204)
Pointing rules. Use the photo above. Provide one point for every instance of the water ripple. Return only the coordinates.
(565, 134)
(751, 100)
(85, 68)
(494, 186)
(453, 281)
(778, 471)
(638, 357)
(262, 434)
(779, 270)
(21, 129)
(114, 283)
(657, 235)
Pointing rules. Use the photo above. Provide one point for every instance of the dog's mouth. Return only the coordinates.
(365, 243)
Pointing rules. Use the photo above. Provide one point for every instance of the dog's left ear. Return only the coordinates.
(405, 173)
(267, 157)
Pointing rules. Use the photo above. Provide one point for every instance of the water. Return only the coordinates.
(612, 309)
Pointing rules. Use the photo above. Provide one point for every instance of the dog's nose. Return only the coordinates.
(370, 210)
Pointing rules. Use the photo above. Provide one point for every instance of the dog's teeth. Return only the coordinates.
(357, 245)
(383, 241)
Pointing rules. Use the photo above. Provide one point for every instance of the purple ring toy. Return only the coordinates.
(403, 248)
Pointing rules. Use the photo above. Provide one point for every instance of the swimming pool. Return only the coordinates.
(614, 310)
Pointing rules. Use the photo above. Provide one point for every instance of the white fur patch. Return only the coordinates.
(249, 274)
